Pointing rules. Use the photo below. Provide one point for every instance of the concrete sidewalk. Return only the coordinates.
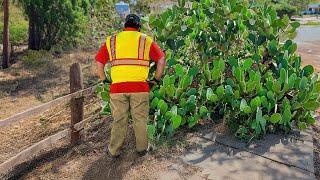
(275, 157)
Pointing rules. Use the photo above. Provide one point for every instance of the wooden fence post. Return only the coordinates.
(76, 84)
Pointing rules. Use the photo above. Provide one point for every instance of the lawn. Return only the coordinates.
(312, 23)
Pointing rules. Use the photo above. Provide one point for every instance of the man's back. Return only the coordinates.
(129, 56)
(129, 53)
(129, 42)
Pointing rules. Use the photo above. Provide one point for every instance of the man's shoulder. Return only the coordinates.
(113, 35)
(149, 38)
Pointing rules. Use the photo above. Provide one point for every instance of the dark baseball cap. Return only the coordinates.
(133, 20)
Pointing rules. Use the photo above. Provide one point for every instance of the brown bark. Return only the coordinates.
(6, 44)
(34, 34)
(77, 108)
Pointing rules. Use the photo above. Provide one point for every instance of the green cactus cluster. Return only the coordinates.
(230, 60)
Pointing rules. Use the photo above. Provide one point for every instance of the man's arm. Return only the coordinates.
(160, 68)
(100, 71)
(101, 59)
(159, 57)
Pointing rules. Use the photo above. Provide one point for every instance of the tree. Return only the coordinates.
(54, 21)
(142, 7)
(6, 44)
(283, 7)
(301, 5)
(103, 21)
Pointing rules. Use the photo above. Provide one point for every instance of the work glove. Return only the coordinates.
(153, 83)
(106, 81)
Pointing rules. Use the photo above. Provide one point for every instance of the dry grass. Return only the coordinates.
(89, 161)
(36, 79)
(21, 135)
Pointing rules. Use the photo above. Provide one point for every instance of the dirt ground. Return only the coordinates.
(22, 88)
(89, 160)
(17, 137)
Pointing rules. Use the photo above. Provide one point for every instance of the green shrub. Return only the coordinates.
(103, 21)
(227, 60)
(54, 22)
(18, 33)
(36, 59)
(18, 27)
(286, 9)
(142, 7)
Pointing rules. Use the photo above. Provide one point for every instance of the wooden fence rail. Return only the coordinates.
(76, 97)
(36, 149)
(44, 107)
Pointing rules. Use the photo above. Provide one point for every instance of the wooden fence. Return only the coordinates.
(76, 99)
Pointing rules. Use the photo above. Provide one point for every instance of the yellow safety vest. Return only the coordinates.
(129, 56)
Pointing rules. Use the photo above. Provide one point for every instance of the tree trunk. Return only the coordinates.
(6, 44)
(32, 35)
(33, 42)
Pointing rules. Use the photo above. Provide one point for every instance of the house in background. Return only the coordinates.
(312, 9)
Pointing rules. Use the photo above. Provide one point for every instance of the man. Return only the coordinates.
(129, 53)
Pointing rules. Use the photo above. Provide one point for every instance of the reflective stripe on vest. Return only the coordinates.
(142, 44)
(129, 62)
(113, 47)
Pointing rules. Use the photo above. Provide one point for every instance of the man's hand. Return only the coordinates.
(106, 81)
(154, 82)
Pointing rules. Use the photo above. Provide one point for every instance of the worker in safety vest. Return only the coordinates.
(129, 53)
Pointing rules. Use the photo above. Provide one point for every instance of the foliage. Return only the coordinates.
(302, 5)
(52, 22)
(284, 7)
(227, 59)
(18, 27)
(142, 7)
(103, 21)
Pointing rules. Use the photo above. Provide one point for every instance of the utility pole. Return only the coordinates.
(6, 45)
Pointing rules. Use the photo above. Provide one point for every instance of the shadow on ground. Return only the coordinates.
(35, 80)
(106, 167)
(36, 73)
(22, 169)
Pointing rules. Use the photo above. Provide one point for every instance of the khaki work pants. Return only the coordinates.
(138, 105)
